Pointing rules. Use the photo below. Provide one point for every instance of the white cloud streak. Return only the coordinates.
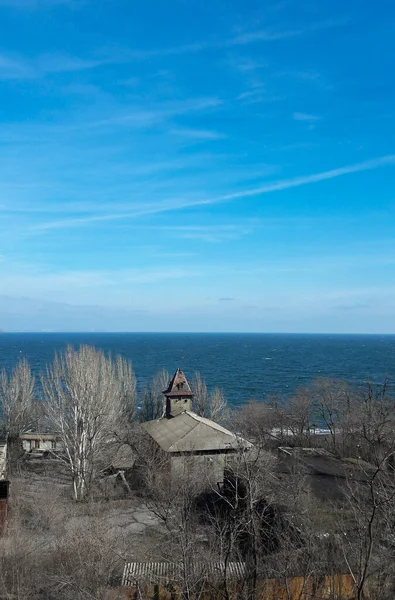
(19, 67)
(300, 116)
(197, 134)
(14, 66)
(170, 206)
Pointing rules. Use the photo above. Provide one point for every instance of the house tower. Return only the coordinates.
(178, 395)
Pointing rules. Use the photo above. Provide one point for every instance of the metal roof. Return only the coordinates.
(165, 572)
(188, 432)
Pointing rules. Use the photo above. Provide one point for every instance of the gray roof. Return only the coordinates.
(164, 572)
(188, 432)
(327, 473)
(35, 435)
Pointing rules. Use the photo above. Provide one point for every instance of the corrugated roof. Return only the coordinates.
(165, 572)
(178, 386)
(187, 432)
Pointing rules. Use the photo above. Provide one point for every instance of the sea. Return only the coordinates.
(246, 366)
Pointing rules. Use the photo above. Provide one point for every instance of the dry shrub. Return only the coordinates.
(55, 548)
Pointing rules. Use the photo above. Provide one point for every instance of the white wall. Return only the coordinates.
(43, 445)
(206, 470)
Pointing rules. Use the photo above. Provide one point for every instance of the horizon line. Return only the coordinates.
(83, 332)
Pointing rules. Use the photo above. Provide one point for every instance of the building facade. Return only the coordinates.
(193, 444)
(41, 442)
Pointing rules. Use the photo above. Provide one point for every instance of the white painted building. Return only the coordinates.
(3, 459)
(40, 442)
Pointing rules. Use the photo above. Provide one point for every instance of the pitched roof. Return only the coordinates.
(161, 572)
(188, 432)
(178, 385)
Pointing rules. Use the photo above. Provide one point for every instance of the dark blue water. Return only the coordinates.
(245, 365)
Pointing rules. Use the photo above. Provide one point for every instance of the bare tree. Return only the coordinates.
(211, 405)
(16, 397)
(128, 389)
(200, 394)
(333, 402)
(87, 396)
(263, 423)
(152, 406)
(219, 410)
(298, 412)
(368, 530)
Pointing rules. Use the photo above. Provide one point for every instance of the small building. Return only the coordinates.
(192, 443)
(41, 442)
(3, 458)
(4, 485)
(219, 580)
(328, 475)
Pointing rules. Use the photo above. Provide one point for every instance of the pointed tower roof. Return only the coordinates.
(178, 386)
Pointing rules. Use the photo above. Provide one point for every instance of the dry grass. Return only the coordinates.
(56, 548)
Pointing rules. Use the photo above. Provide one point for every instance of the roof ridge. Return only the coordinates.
(187, 432)
(209, 422)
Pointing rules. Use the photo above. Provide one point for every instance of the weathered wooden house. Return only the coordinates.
(190, 442)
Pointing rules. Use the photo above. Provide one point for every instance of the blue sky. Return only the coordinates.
(197, 166)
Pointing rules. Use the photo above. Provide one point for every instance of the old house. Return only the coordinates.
(36, 441)
(190, 442)
(4, 484)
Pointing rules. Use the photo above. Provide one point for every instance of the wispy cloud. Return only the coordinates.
(145, 117)
(264, 35)
(135, 116)
(311, 77)
(269, 35)
(211, 234)
(25, 277)
(179, 204)
(297, 146)
(19, 67)
(245, 65)
(198, 134)
(255, 95)
(38, 4)
(300, 116)
(14, 66)
(307, 179)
